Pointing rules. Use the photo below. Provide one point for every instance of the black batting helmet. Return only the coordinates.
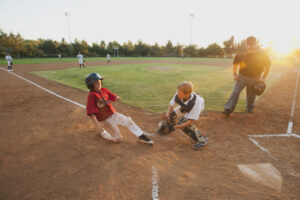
(91, 78)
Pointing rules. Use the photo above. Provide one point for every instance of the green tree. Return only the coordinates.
(202, 52)
(169, 49)
(214, 50)
(190, 50)
(80, 46)
(229, 47)
(64, 48)
(178, 50)
(155, 50)
(48, 46)
(141, 49)
(3, 42)
(128, 49)
(30, 49)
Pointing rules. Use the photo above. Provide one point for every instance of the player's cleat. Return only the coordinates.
(198, 145)
(144, 139)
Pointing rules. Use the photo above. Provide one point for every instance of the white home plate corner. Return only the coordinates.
(263, 173)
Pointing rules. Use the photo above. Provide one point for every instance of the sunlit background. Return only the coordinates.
(276, 24)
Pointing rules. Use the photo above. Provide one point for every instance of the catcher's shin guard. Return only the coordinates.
(193, 132)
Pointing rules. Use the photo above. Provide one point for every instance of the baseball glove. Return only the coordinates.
(164, 127)
(259, 87)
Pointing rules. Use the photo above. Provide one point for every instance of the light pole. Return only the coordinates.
(192, 17)
(69, 31)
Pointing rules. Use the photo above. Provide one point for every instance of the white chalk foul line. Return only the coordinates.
(46, 90)
(262, 148)
(290, 128)
(154, 171)
(154, 184)
(290, 124)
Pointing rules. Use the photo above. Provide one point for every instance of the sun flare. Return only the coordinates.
(283, 47)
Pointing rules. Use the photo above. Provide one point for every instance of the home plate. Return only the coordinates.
(263, 173)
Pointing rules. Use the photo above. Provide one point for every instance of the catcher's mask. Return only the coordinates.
(91, 78)
(259, 87)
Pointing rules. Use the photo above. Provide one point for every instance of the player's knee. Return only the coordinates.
(130, 121)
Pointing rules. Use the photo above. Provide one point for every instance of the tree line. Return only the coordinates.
(17, 46)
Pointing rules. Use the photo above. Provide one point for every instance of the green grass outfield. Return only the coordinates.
(151, 86)
(16, 61)
(56, 60)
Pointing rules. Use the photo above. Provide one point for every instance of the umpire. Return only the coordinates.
(254, 65)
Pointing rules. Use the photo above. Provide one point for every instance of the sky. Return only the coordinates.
(274, 23)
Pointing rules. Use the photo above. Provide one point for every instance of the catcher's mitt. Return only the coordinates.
(259, 87)
(164, 127)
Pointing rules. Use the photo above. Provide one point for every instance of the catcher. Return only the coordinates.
(254, 66)
(189, 106)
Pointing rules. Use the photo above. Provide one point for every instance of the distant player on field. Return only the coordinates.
(80, 60)
(8, 58)
(108, 58)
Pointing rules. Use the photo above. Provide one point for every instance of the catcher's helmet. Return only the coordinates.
(259, 87)
(91, 78)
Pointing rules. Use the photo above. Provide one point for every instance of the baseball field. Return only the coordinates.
(49, 148)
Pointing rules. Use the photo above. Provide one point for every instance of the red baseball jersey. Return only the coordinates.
(98, 103)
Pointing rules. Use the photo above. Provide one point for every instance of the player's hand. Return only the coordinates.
(118, 98)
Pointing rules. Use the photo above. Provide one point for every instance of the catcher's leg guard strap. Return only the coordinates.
(194, 133)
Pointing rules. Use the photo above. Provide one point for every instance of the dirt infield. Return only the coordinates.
(49, 150)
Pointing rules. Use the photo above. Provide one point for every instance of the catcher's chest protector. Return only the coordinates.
(189, 106)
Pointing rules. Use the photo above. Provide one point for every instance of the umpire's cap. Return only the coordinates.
(91, 78)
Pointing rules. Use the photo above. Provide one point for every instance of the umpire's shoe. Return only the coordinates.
(144, 139)
(226, 112)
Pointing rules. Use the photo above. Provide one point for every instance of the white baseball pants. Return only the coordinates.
(111, 125)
